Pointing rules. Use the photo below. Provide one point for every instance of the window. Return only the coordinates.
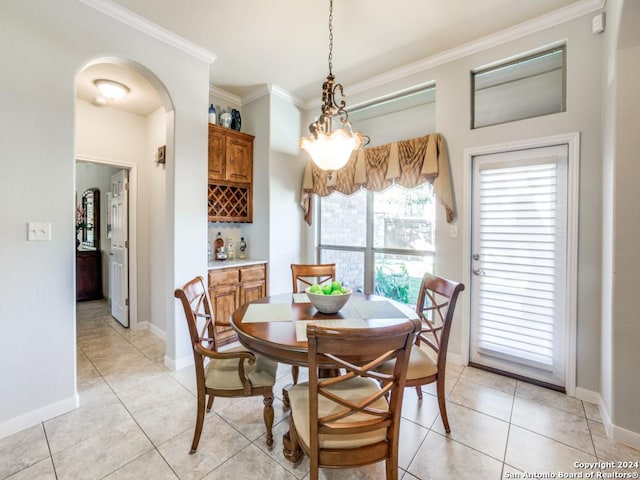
(528, 87)
(381, 242)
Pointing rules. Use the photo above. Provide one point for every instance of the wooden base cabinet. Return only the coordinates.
(231, 287)
(88, 275)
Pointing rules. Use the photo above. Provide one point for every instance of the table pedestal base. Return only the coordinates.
(290, 453)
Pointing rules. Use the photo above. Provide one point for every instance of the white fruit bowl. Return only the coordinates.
(328, 303)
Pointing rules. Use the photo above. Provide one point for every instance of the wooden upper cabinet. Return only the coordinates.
(230, 155)
(230, 197)
(217, 146)
(239, 159)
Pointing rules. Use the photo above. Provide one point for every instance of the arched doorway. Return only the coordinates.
(125, 137)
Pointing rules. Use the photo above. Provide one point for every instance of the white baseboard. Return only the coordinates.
(179, 364)
(34, 417)
(588, 396)
(619, 434)
(157, 331)
(626, 436)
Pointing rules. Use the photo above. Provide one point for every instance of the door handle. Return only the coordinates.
(477, 271)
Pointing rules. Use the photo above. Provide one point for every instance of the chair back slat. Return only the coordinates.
(358, 351)
(196, 304)
(304, 276)
(436, 305)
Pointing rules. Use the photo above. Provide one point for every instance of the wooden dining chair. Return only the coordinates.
(235, 372)
(352, 419)
(305, 275)
(428, 360)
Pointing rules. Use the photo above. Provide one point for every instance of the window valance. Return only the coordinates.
(408, 163)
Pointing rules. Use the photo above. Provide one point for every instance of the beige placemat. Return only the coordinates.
(301, 298)
(378, 309)
(301, 325)
(268, 312)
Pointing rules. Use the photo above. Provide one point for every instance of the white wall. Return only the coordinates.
(152, 241)
(43, 46)
(614, 12)
(453, 113)
(285, 167)
(625, 328)
(256, 121)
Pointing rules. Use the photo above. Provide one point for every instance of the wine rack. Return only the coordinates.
(230, 203)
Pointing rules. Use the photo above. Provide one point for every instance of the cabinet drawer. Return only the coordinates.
(249, 274)
(224, 276)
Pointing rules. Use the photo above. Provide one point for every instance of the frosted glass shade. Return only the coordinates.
(331, 152)
(111, 90)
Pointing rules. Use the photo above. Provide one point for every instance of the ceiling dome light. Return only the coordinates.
(331, 149)
(110, 89)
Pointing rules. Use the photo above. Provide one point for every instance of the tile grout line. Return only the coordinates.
(506, 445)
(46, 437)
(127, 410)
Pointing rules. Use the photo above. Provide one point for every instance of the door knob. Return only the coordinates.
(477, 271)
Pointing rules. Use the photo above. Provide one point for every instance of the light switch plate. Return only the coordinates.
(597, 23)
(37, 231)
(453, 231)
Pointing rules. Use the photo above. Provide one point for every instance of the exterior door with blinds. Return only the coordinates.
(519, 263)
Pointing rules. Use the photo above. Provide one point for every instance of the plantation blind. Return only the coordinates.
(522, 238)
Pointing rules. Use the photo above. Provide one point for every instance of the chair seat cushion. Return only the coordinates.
(223, 374)
(420, 365)
(354, 389)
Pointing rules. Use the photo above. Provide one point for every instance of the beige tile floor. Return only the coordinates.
(136, 418)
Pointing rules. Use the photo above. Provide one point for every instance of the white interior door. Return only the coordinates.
(519, 263)
(119, 253)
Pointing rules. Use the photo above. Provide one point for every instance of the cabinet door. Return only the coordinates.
(253, 291)
(217, 162)
(225, 300)
(88, 275)
(239, 160)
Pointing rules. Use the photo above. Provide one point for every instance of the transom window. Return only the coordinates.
(525, 88)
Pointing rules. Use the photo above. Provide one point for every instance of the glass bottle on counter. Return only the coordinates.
(243, 249)
(219, 248)
(231, 251)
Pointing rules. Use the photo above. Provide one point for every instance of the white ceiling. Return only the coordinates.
(285, 42)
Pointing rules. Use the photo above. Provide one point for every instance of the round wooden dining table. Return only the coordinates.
(268, 326)
(272, 327)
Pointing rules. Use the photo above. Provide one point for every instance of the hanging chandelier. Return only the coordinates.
(332, 138)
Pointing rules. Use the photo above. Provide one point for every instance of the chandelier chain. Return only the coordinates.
(330, 35)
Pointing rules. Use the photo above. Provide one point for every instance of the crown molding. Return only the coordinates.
(562, 15)
(123, 15)
(285, 95)
(258, 92)
(224, 95)
(272, 89)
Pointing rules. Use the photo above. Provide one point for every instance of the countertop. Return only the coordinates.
(218, 264)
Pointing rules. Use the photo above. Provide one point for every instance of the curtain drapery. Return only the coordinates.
(408, 163)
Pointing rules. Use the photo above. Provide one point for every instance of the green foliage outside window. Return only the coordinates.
(392, 281)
